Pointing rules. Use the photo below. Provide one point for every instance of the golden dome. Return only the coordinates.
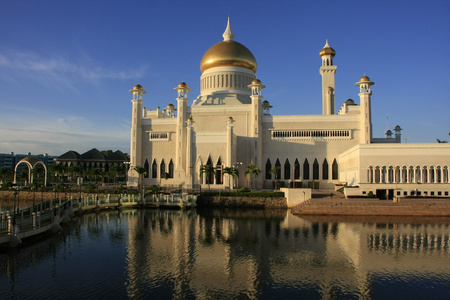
(138, 87)
(170, 105)
(350, 101)
(364, 79)
(230, 118)
(256, 81)
(228, 53)
(182, 85)
(327, 50)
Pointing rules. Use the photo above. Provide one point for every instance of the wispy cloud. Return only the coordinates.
(16, 65)
(56, 135)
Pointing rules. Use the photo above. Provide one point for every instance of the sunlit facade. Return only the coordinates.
(230, 125)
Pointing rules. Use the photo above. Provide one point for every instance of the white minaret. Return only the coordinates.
(327, 70)
(365, 118)
(136, 135)
(255, 123)
(182, 100)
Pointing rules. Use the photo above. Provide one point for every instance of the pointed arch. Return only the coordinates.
(162, 169)
(334, 170)
(315, 169)
(287, 169)
(146, 167)
(306, 169)
(278, 172)
(325, 169)
(268, 169)
(296, 169)
(219, 171)
(154, 169)
(170, 173)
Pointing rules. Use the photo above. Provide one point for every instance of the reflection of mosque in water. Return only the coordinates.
(208, 254)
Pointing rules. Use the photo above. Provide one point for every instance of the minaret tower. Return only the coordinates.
(182, 100)
(136, 134)
(327, 70)
(255, 122)
(365, 118)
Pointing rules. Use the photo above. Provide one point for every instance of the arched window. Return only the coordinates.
(154, 169)
(268, 169)
(219, 179)
(170, 175)
(210, 178)
(278, 172)
(296, 169)
(315, 170)
(325, 169)
(334, 170)
(162, 169)
(287, 169)
(146, 167)
(306, 169)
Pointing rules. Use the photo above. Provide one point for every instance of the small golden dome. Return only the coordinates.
(228, 53)
(190, 119)
(364, 79)
(170, 105)
(138, 87)
(350, 101)
(327, 50)
(265, 102)
(256, 81)
(230, 118)
(182, 85)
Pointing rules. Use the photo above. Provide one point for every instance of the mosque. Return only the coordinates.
(229, 125)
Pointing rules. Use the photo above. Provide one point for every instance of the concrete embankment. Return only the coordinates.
(432, 208)
(241, 202)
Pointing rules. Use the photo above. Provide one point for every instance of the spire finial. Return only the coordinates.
(326, 44)
(228, 35)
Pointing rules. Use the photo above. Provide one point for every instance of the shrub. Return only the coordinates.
(370, 194)
(243, 190)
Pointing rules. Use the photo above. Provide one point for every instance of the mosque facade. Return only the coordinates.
(229, 125)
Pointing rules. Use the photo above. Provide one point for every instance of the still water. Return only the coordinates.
(164, 254)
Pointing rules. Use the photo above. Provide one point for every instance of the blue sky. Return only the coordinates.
(66, 66)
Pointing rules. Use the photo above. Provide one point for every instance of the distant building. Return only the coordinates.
(9, 160)
(92, 159)
(229, 125)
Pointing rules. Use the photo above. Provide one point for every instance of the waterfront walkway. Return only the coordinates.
(46, 216)
(374, 207)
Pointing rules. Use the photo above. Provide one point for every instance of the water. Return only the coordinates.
(164, 254)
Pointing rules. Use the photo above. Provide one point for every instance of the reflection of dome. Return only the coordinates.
(138, 87)
(228, 53)
(364, 79)
(327, 50)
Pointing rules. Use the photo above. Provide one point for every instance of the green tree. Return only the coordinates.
(6, 173)
(95, 173)
(209, 171)
(275, 171)
(232, 173)
(252, 170)
(116, 172)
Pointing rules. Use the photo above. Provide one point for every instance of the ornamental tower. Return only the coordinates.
(327, 70)
(136, 134)
(182, 100)
(365, 94)
(255, 121)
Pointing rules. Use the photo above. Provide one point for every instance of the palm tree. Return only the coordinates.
(208, 170)
(232, 172)
(116, 171)
(141, 171)
(5, 173)
(95, 173)
(253, 171)
(275, 171)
